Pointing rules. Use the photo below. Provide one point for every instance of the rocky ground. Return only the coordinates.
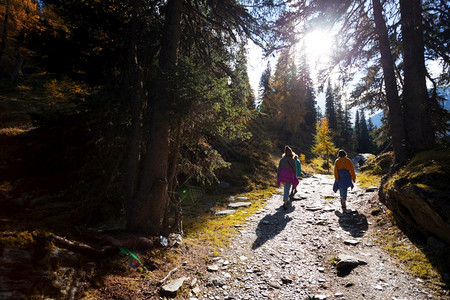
(298, 253)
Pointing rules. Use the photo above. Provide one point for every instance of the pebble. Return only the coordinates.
(213, 268)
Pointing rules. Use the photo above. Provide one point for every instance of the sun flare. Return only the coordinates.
(318, 45)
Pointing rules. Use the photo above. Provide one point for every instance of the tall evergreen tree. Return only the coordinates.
(357, 132)
(339, 134)
(330, 109)
(347, 130)
(364, 136)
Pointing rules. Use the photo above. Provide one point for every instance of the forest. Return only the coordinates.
(114, 114)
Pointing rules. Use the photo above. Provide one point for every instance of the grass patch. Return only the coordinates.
(319, 165)
(428, 171)
(201, 225)
(417, 261)
(368, 179)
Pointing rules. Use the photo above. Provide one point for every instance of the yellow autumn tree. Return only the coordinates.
(323, 144)
(17, 19)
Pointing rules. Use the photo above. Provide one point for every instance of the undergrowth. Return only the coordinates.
(417, 259)
(202, 225)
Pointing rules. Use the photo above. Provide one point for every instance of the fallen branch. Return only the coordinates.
(80, 247)
(168, 275)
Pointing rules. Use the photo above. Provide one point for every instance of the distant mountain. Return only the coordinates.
(444, 92)
(376, 119)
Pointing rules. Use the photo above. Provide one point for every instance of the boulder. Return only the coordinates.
(171, 289)
(418, 208)
(346, 263)
(419, 194)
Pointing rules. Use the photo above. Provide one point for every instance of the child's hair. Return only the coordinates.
(342, 153)
(288, 151)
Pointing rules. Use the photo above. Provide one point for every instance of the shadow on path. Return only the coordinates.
(353, 222)
(271, 225)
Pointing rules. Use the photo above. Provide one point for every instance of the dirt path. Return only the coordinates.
(288, 254)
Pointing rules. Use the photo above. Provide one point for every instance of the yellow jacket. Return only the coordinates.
(344, 163)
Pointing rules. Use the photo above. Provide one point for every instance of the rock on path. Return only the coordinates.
(292, 254)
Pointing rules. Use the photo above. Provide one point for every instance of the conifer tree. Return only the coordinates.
(364, 137)
(330, 108)
(347, 131)
(357, 132)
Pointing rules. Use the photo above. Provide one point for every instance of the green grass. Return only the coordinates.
(368, 179)
(392, 239)
(428, 170)
(201, 225)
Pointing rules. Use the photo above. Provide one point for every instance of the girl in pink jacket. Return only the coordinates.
(286, 174)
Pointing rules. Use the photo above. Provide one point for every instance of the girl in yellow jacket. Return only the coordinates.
(344, 175)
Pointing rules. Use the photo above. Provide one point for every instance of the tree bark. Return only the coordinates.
(19, 59)
(392, 97)
(418, 123)
(152, 193)
(135, 92)
(4, 34)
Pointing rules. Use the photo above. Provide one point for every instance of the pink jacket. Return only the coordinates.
(287, 175)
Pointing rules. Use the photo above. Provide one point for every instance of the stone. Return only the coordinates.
(320, 297)
(193, 282)
(274, 284)
(171, 288)
(196, 290)
(239, 204)
(213, 268)
(314, 208)
(216, 281)
(175, 239)
(225, 212)
(426, 210)
(286, 280)
(351, 242)
(241, 198)
(346, 263)
(371, 189)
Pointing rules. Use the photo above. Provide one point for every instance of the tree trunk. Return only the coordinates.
(174, 204)
(152, 193)
(4, 34)
(392, 97)
(19, 59)
(418, 123)
(135, 92)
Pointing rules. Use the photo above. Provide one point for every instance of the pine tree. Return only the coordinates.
(357, 132)
(339, 139)
(330, 108)
(347, 131)
(364, 137)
